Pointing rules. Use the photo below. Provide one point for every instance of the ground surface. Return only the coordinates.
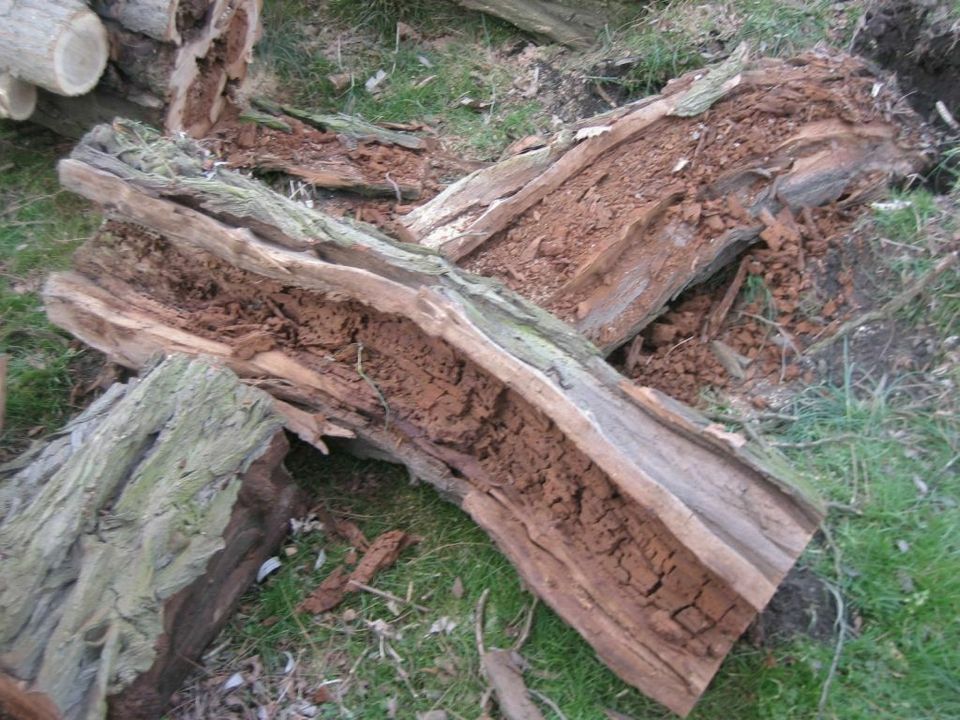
(872, 422)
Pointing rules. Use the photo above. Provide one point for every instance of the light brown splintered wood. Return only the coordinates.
(654, 534)
(128, 537)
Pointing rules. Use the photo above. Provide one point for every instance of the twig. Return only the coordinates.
(527, 624)
(716, 319)
(840, 623)
(396, 188)
(548, 702)
(478, 621)
(371, 383)
(889, 308)
(386, 595)
(843, 437)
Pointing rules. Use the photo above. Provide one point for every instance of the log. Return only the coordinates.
(129, 536)
(652, 532)
(156, 19)
(18, 99)
(181, 85)
(60, 45)
(575, 24)
(614, 219)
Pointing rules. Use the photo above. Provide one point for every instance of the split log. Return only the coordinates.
(611, 221)
(182, 85)
(60, 45)
(129, 536)
(18, 99)
(154, 18)
(575, 24)
(654, 533)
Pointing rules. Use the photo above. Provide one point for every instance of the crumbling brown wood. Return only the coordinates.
(505, 410)
(128, 537)
(689, 222)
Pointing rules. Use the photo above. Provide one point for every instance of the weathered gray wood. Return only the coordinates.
(128, 535)
(735, 520)
(569, 23)
(155, 18)
(60, 45)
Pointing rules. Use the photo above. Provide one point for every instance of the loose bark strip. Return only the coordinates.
(507, 411)
(569, 23)
(128, 537)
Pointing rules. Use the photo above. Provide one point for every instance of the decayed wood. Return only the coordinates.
(18, 99)
(128, 536)
(616, 286)
(569, 159)
(704, 524)
(19, 704)
(60, 45)
(570, 23)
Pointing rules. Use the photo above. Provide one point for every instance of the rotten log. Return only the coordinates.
(18, 99)
(60, 45)
(128, 537)
(575, 24)
(182, 85)
(604, 232)
(651, 531)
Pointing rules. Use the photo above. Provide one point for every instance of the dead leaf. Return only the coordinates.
(457, 589)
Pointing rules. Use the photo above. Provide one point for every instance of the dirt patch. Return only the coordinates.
(920, 42)
(803, 606)
(419, 387)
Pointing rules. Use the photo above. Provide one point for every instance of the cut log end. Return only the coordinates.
(80, 55)
(18, 99)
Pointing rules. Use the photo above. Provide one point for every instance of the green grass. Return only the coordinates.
(40, 226)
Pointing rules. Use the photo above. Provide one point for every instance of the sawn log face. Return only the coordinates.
(654, 534)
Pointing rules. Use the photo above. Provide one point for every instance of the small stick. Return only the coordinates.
(843, 437)
(3, 388)
(478, 621)
(527, 624)
(947, 116)
(396, 188)
(889, 308)
(386, 595)
(548, 702)
(723, 309)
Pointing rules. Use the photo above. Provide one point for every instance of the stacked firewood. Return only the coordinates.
(69, 64)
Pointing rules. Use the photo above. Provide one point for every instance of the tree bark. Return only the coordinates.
(18, 99)
(652, 532)
(60, 45)
(129, 535)
(569, 23)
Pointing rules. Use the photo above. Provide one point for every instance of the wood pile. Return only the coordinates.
(173, 63)
(657, 534)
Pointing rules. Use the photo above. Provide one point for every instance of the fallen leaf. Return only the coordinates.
(457, 589)
(321, 559)
(443, 626)
(374, 80)
(233, 682)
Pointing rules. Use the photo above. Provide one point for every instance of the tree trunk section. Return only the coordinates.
(652, 532)
(615, 218)
(182, 85)
(156, 19)
(18, 99)
(60, 45)
(128, 537)
(569, 23)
